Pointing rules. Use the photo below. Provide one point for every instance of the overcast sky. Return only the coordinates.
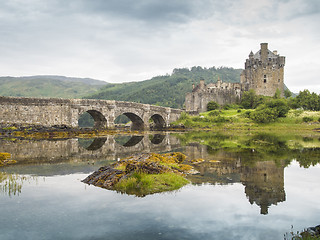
(133, 40)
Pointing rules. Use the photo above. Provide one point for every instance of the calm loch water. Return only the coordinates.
(252, 187)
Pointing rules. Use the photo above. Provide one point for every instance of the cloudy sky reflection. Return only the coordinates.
(62, 207)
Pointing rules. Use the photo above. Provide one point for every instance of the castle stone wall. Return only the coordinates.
(220, 92)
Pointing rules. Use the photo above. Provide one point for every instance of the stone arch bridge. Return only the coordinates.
(65, 112)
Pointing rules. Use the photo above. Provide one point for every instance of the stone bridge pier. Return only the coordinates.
(66, 112)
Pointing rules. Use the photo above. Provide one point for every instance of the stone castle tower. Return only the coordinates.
(264, 72)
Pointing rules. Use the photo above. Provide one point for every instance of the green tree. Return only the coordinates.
(293, 103)
(250, 99)
(308, 101)
(277, 94)
(212, 106)
(287, 93)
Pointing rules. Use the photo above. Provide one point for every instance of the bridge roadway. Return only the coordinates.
(66, 112)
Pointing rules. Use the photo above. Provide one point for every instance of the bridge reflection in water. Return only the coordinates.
(110, 147)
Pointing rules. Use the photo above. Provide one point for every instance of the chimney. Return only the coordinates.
(264, 52)
(275, 52)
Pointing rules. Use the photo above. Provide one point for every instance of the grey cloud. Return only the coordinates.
(131, 39)
(144, 10)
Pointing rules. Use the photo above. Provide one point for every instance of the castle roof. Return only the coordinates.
(270, 55)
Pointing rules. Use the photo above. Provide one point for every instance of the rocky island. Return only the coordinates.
(143, 174)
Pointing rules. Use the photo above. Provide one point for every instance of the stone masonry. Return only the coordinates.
(65, 112)
(220, 92)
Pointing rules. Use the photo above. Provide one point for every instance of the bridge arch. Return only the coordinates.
(158, 122)
(100, 121)
(137, 122)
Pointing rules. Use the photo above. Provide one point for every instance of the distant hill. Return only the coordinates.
(168, 90)
(49, 86)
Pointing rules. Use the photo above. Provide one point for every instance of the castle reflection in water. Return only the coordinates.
(263, 181)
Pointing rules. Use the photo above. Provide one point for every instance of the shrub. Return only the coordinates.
(220, 119)
(184, 116)
(198, 119)
(239, 111)
(246, 114)
(231, 106)
(214, 113)
(188, 123)
(212, 106)
(297, 113)
(307, 119)
(280, 105)
(264, 115)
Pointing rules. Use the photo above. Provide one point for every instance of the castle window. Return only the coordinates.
(264, 78)
(278, 80)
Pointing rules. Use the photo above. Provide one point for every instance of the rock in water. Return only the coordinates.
(143, 164)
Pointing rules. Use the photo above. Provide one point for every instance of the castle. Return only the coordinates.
(263, 73)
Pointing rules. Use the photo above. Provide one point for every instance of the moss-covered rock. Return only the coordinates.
(5, 159)
(143, 174)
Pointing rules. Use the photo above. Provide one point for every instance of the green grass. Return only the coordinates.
(142, 184)
(234, 120)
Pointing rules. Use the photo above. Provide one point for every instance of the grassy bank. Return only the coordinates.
(298, 121)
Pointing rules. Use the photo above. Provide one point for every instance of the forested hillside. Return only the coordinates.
(168, 90)
(48, 86)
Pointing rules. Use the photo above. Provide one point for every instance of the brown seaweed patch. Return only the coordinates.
(5, 159)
